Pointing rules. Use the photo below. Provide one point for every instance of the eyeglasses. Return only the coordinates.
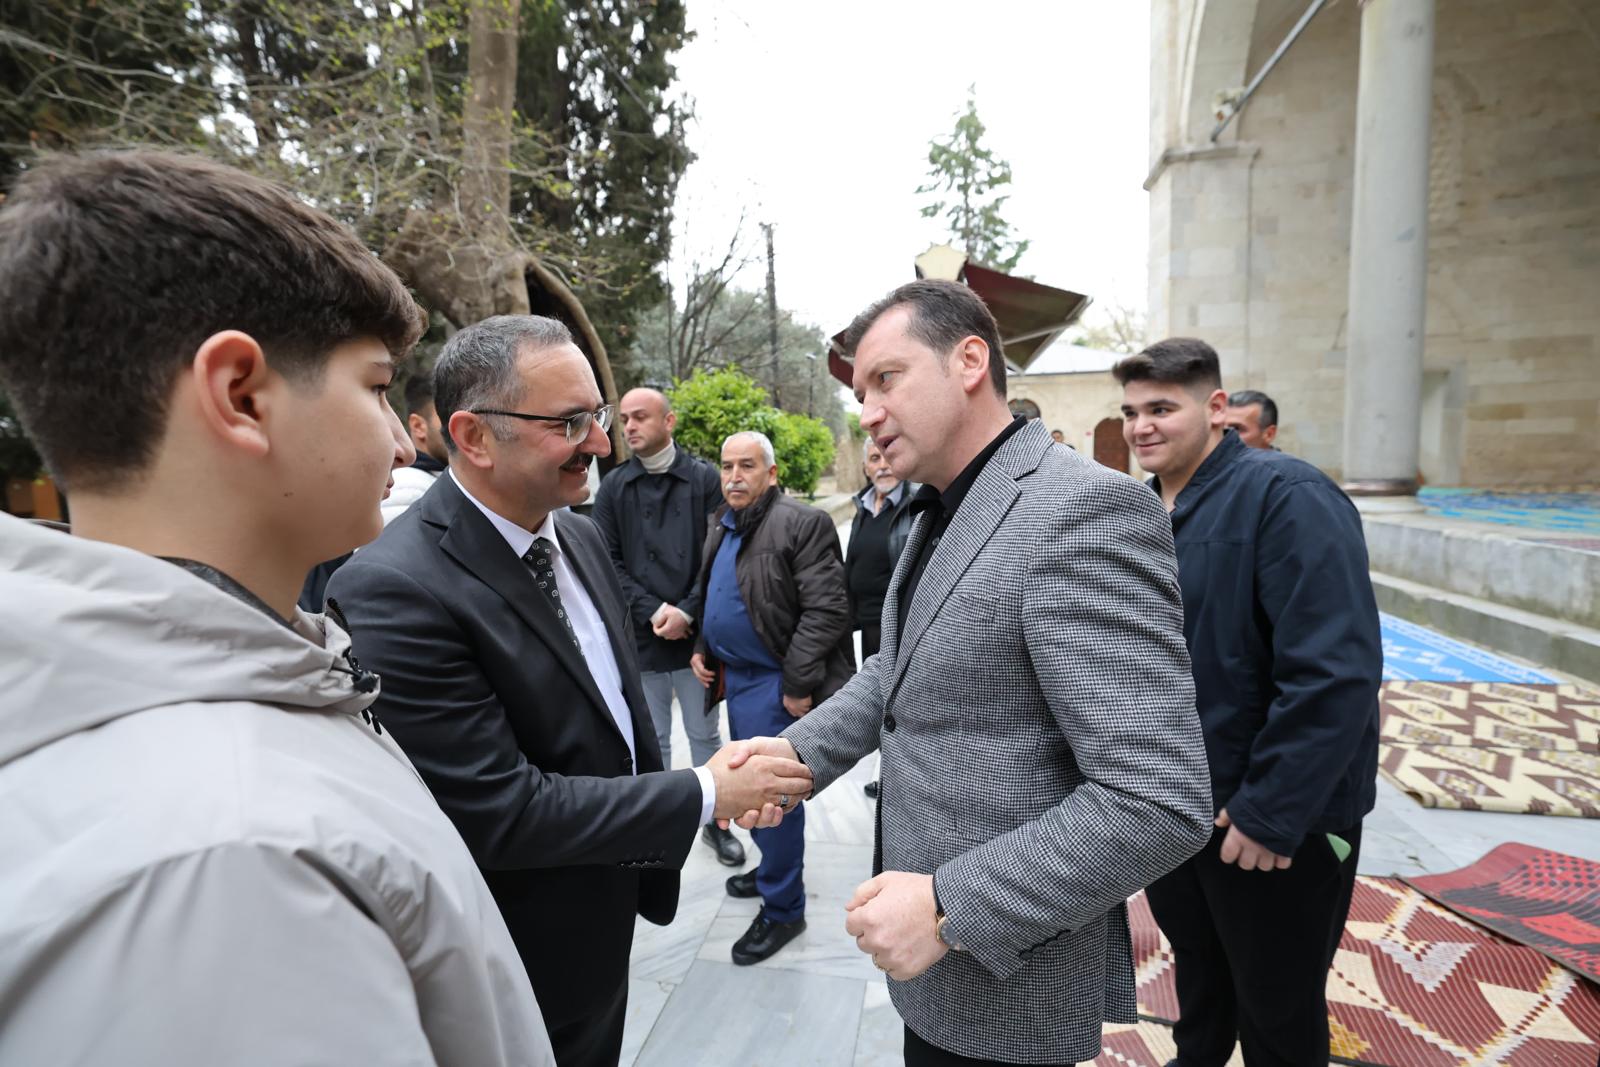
(577, 425)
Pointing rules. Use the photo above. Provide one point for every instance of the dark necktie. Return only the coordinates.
(544, 576)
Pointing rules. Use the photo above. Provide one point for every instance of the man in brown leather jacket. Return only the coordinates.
(776, 641)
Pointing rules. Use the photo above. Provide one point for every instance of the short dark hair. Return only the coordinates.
(1245, 397)
(1185, 361)
(419, 392)
(477, 368)
(943, 314)
(116, 266)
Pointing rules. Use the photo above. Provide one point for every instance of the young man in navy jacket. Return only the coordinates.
(1283, 632)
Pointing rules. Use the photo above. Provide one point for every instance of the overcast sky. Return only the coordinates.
(817, 116)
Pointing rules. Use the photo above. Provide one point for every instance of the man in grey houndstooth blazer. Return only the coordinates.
(1042, 759)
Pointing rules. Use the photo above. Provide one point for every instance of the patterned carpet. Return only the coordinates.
(1493, 746)
(1413, 985)
(1546, 900)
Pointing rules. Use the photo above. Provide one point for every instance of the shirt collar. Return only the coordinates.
(519, 539)
(865, 499)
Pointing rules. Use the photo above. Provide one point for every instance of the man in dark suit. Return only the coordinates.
(510, 678)
(652, 511)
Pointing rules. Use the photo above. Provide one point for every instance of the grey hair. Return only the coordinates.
(760, 438)
(866, 448)
(477, 368)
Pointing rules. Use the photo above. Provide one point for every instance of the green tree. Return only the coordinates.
(804, 447)
(966, 180)
(597, 75)
(708, 322)
(72, 74)
(713, 405)
(731, 330)
(462, 138)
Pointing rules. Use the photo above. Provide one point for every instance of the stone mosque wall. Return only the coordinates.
(1250, 236)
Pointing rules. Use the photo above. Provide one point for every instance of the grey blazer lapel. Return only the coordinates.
(975, 521)
(986, 504)
(888, 650)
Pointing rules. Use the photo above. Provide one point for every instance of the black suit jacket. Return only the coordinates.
(484, 691)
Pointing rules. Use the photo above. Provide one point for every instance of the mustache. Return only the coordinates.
(579, 460)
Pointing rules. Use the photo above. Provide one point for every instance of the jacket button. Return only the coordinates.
(652, 555)
(627, 763)
(888, 722)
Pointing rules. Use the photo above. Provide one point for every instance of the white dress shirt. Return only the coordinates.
(590, 630)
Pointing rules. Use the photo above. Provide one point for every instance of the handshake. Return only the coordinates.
(758, 782)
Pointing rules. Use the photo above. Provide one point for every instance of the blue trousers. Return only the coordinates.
(755, 709)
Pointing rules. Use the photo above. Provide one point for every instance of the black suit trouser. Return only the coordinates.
(1252, 952)
(573, 927)
(594, 1039)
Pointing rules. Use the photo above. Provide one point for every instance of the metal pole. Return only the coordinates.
(1272, 61)
(772, 309)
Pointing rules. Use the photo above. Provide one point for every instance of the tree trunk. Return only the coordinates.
(459, 254)
(588, 339)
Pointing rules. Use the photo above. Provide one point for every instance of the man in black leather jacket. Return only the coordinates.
(776, 641)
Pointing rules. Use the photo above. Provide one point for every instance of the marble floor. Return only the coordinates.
(819, 1001)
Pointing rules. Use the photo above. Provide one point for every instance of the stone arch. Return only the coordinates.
(1216, 56)
(1026, 408)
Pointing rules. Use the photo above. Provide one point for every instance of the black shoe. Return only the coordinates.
(871, 789)
(729, 852)
(742, 885)
(764, 938)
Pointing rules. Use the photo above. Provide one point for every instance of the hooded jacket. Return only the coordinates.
(211, 852)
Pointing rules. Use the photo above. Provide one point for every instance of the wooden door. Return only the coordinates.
(1109, 447)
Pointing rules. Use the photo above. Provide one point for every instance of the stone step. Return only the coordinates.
(1558, 644)
(1546, 572)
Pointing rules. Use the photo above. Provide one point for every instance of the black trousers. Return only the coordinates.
(871, 635)
(594, 1040)
(921, 1054)
(1252, 951)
